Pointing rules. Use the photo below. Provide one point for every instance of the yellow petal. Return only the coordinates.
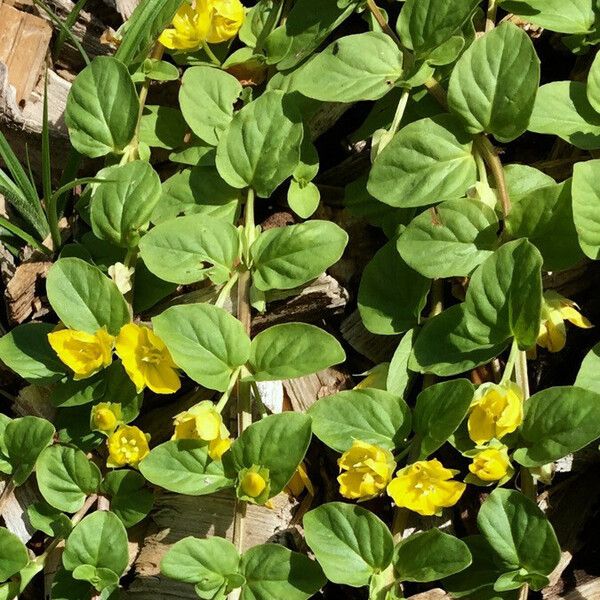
(162, 378)
(575, 317)
(481, 427)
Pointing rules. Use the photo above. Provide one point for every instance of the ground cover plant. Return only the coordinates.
(473, 198)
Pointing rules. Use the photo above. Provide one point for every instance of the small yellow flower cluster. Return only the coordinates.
(496, 411)
(128, 445)
(203, 422)
(212, 21)
(144, 355)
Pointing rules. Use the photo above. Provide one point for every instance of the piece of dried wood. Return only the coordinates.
(303, 392)
(434, 594)
(14, 510)
(22, 291)
(587, 589)
(377, 348)
(175, 516)
(23, 46)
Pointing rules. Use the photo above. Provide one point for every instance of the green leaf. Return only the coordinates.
(48, 519)
(451, 239)
(477, 581)
(364, 66)
(545, 217)
(13, 554)
(162, 126)
(261, 147)
(563, 16)
(84, 298)
(272, 571)
(303, 198)
(558, 421)
(120, 208)
(350, 542)
(288, 257)
(586, 201)
(519, 532)
(102, 108)
(369, 415)
(439, 410)
(494, 83)
(588, 376)
(130, 499)
(66, 477)
(100, 578)
(424, 25)
(25, 438)
(26, 351)
(391, 295)
(65, 587)
(191, 248)
(99, 540)
(306, 27)
(523, 179)
(562, 109)
(430, 555)
(503, 301)
(293, 350)
(143, 28)
(205, 341)
(199, 190)
(399, 377)
(184, 467)
(277, 443)
(425, 162)
(206, 97)
(206, 563)
(593, 85)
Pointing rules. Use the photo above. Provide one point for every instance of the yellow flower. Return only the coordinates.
(425, 487)
(365, 471)
(375, 378)
(212, 21)
(128, 445)
(557, 309)
(105, 417)
(227, 18)
(201, 422)
(491, 464)
(84, 353)
(218, 447)
(146, 359)
(254, 485)
(496, 411)
(299, 481)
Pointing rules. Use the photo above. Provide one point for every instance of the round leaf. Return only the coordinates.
(102, 108)
(293, 350)
(372, 416)
(425, 162)
(205, 341)
(586, 202)
(13, 554)
(99, 540)
(430, 555)
(558, 421)
(184, 467)
(121, 207)
(451, 239)
(288, 257)
(206, 97)
(261, 147)
(130, 499)
(84, 298)
(350, 542)
(178, 250)
(277, 443)
(272, 571)
(66, 477)
(494, 83)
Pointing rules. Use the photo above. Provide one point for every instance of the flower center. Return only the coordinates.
(151, 355)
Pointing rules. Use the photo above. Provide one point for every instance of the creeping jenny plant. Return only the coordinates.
(165, 298)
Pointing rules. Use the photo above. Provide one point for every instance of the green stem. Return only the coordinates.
(481, 170)
(249, 226)
(227, 393)
(492, 160)
(261, 405)
(226, 289)
(510, 363)
(399, 113)
(490, 18)
(213, 59)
